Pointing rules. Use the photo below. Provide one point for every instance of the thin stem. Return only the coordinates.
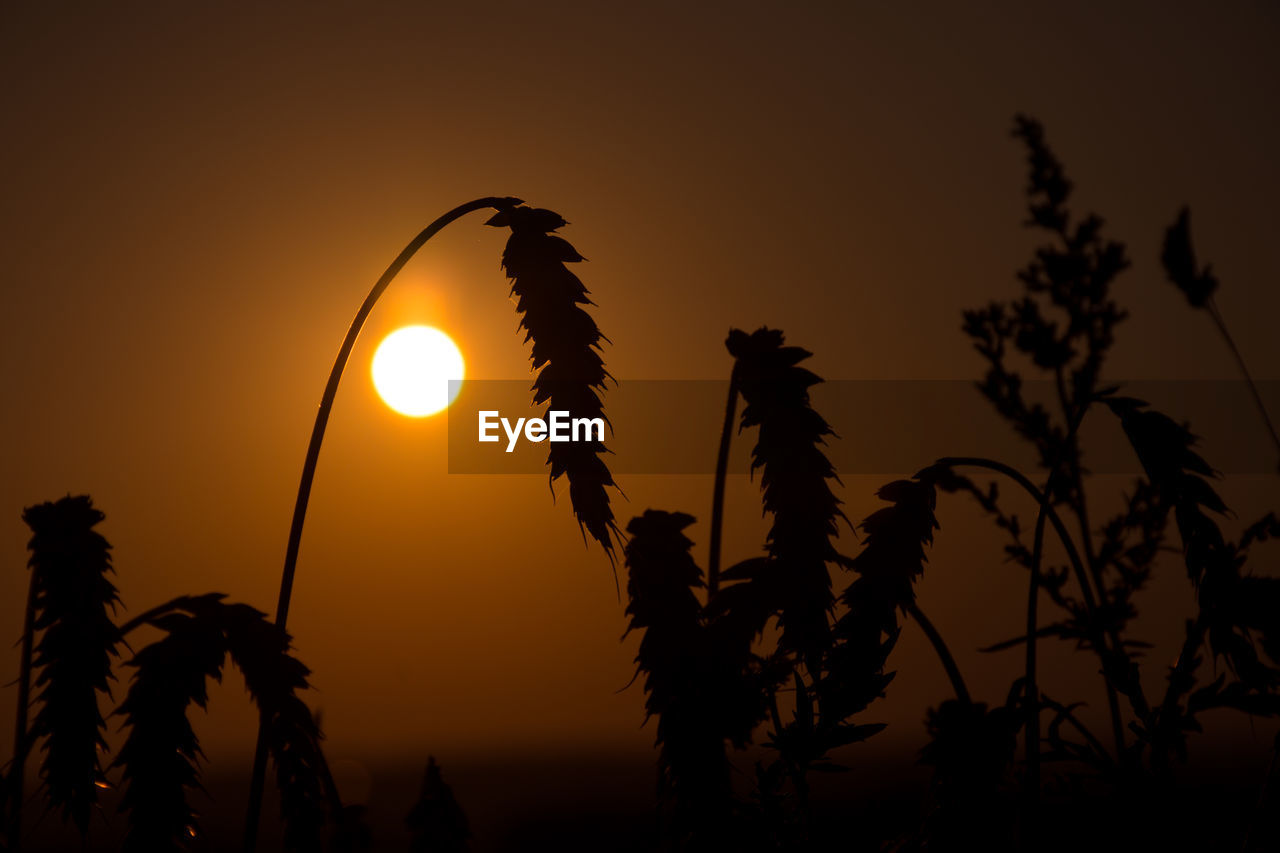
(1081, 511)
(1120, 660)
(21, 741)
(1082, 577)
(1032, 688)
(944, 654)
(1033, 599)
(309, 471)
(1244, 370)
(717, 493)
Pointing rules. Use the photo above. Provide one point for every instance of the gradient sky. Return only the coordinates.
(197, 197)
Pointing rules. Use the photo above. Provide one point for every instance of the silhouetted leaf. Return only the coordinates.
(1177, 474)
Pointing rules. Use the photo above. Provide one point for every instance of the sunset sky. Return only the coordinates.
(197, 198)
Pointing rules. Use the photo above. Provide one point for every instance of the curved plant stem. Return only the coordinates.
(21, 740)
(309, 469)
(1253, 389)
(717, 494)
(1082, 575)
(148, 615)
(1078, 726)
(1018, 477)
(944, 654)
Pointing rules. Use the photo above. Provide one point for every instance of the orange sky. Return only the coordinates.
(196, 200)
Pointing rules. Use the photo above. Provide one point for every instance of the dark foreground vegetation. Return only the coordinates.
(761, 678)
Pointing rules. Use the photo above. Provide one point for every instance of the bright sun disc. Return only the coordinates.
(413, 368)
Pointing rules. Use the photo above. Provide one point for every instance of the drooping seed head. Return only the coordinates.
(73, 610)
(566, 344)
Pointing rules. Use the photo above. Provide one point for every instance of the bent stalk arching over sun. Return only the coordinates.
(565, 351)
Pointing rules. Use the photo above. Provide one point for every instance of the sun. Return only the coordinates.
(418, 370)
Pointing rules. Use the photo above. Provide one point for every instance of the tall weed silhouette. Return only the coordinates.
(1064, 327)
(1199, 286)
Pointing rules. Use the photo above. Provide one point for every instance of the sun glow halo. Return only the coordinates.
(412, 369)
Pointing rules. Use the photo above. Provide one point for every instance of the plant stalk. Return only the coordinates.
(717, 493)
(1244, 370)
(913, 610)
(1032, 695)
(1033, 600)
(254, 811)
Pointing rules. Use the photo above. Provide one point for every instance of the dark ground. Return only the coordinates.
(603, 802)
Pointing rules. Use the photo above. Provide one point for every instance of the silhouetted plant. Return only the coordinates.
(832, 654)
(1064, 327)
(1232, 606)
(891, 560)
(74, 637)
(697, 677)
(830, 676)
(699, 659)
(159, 756)
(436, 822)
(565, 351)
(1069, 278)
(1199, 285)
(794, 474)
(70, 607)
(566, 354)
(160, 753)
